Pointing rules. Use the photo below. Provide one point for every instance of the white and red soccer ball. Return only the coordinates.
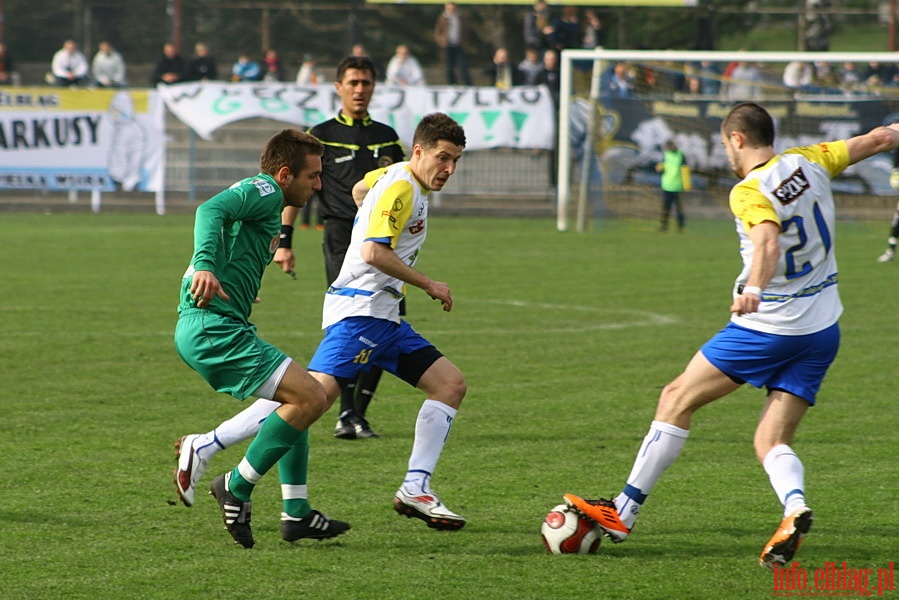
(566, 532)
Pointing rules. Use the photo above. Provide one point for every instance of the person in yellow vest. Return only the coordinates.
(672, 184)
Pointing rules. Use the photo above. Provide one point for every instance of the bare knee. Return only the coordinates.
(318, 400)
(455, 392)
(305, 399)
(673, 408)
(444, 384)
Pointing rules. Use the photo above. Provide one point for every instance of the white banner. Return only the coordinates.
(520, 117)
(77, 139)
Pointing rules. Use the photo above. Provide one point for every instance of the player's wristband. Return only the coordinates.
(752, 289)
(286, 238)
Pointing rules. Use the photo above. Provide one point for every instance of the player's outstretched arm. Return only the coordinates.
(879, 139)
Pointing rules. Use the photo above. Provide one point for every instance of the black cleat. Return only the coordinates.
(314, 526)
(235, 512)
(351, 426)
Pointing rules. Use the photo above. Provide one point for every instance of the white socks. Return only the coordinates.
(431, 430)
(787, 477)
(238, 428)
(661, 447)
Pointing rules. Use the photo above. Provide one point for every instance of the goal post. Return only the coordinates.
(609, 142)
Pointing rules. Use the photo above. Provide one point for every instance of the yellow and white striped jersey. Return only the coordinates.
(793, 190)
(394, 212)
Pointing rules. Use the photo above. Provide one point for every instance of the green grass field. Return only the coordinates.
(565, 339)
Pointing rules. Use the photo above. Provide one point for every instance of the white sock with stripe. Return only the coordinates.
(435, 419)
(661, 447)
(787, 477)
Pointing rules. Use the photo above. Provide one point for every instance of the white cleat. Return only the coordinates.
(429, 509)
(190, 468)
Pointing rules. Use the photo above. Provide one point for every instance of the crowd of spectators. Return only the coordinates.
(739, 81)
(545, 32)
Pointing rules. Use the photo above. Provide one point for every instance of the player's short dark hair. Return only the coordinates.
(438, 126)
(289, 148)
(753, 122)
(362, 63)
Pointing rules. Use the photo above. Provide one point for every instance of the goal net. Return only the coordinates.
(617, 108)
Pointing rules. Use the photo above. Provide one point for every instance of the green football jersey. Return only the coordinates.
(235, 236)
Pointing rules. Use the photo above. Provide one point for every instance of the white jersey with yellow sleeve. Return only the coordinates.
(793, 190)
(394, 212)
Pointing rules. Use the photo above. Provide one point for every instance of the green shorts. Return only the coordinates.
(227, 353)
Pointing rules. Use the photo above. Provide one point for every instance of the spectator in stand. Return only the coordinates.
(246, 69)
(273, 69)
(170, 67)
(878, 74)
(501, 73)
(309, 75)
(362, 52)
(594, 32)
(538, 27)
(826, 77)
(850, 78)
(566, 30)
(450, 32)
(108, 67)
(551, 78)
(202, 66)
(798, 75)
(709, 73)
(745, 82)
(69, 66)
(550, 75)
(618, 82)
(8, 75)
(693, 87)
(530, 67)
(403, 68)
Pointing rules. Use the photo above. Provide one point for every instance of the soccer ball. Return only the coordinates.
(566, 532)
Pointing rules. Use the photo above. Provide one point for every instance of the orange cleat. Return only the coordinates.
(786, 540)
(603, 513)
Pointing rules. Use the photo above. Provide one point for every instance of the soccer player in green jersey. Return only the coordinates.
(236, 234)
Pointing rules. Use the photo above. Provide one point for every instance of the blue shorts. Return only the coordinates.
(792, 363)
(356, 343)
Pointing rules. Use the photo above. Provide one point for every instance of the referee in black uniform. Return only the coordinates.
(354, 145)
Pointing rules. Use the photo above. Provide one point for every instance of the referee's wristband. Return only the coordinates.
(286, 238)
(752, 289)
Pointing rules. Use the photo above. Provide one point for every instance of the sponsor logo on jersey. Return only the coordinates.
(274, 245)
(792, 187)
(417, 227)
(265, 188)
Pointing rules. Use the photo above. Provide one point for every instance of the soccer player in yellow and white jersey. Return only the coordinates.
(784, 332)
(361, 309)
